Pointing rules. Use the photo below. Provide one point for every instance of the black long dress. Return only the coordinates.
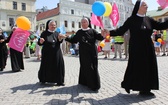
(16, 58)
(88, 57)
(52, 64)
(142, 71)
(3, 53)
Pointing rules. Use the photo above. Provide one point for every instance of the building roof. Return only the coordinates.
(155, 13)
(47, 14)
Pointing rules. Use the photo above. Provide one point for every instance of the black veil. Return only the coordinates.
(89, 22)
(136, 7)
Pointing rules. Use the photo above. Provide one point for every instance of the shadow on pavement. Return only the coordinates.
(119, 99)
(32, 87)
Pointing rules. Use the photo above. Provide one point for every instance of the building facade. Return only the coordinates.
(160, 14)
(10, 10)
(70, 12)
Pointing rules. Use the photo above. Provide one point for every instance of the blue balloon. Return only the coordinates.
(98, 8)
(157, 43)
(112, 40)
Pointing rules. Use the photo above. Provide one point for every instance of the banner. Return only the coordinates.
(114, 16)
(18, 39)
(96, 20)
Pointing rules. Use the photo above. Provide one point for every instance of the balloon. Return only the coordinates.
(162, 42)
(23, 22)
(98, 8)
(157, 43)
(159, 40)
(108, 9)
(33, 46)
(112, 40)
(108, 37)
(102, 44)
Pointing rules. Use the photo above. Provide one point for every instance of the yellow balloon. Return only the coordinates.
(159, 40)
(108, 9)
(108, 37)
(102, 44)
(23, 23)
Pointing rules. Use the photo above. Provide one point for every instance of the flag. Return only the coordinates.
(18, 39)
(163, 3)
(38, 33)
(62, 29)
(5, 34)
(58, 30)
(114, 16)
(96, 20)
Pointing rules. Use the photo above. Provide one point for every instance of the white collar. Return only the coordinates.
(51, 31)
(140, 15)
(85, 29)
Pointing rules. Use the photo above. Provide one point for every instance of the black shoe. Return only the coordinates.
(1, 69)
(94, 89)
(164, 55)
(127, 90)
(146, 93)
(105, 57)
(114, 57)
(60, 84)
(16, 70)
(42, 82)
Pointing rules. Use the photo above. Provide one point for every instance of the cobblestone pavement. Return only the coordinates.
(23, 88)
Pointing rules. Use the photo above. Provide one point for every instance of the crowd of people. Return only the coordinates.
(141, 72)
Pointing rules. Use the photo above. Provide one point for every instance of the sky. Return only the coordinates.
(152, 4)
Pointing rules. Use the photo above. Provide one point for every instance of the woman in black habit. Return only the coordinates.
(52, 63)
(3, 51)
(142, 71)
(16, 57)
(88, 56)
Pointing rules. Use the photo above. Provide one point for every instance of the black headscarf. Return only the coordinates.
(88, 21)
(48, 24)
(136, 7)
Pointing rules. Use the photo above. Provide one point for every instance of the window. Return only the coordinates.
(160, 20)
(165, 18)
(24, 6)
(11, 22)
(66, 23)
(72, 11)
(94, 27)
(14, 5)
(73, 24)
(79, 25)
(56, 22)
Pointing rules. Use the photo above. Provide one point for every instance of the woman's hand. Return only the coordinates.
(105, 32)
(42, 40)
(2, 40)
(61, 36)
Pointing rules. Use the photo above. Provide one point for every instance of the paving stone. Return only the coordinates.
(23, 88)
